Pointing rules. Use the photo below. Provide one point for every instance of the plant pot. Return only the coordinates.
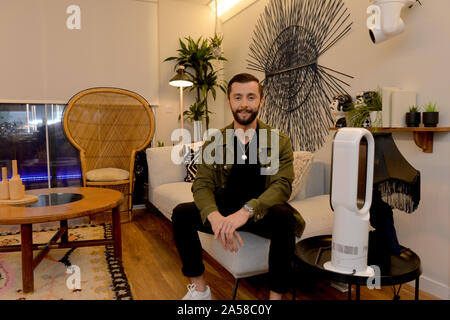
(375, 119)
(430, 119)
(412, 119)
(198, 130)
(367, 123)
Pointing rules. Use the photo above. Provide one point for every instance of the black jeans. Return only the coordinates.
(277, 225)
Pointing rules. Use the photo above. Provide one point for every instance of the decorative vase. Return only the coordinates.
(430, 119)
(216, 52)
(401, 101)
(16, 187)
(386, 98)
(198, 130)
(412, 119)
(376, 118)
(4, 185)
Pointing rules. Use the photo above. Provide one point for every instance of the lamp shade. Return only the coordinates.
(180, 79)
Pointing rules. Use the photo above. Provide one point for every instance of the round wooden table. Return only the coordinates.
(79, 202)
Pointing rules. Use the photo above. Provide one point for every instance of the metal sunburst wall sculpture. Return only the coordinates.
(289, 38)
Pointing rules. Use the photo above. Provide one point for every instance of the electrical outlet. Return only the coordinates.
(168, 109)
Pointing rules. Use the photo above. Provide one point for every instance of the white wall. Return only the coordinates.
(416, 60)
(122, 43)
(41, 59)
(178, 19)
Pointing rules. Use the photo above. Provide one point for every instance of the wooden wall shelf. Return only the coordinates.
(423, 136)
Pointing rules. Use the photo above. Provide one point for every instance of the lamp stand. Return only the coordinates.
(181, 107)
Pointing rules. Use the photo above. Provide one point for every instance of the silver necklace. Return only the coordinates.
(244, 150)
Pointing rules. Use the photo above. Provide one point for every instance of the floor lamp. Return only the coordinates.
(181, 80)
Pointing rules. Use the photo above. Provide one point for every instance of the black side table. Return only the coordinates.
(312, 253)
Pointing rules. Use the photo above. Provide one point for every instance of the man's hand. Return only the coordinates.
(224, 228)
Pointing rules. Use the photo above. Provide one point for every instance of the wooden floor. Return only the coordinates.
(153, 269)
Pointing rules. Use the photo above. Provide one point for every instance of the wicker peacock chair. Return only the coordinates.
(108, 126)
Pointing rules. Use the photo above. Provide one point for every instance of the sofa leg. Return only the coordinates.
(236, 283)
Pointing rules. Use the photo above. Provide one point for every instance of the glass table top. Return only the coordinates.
(54, 199)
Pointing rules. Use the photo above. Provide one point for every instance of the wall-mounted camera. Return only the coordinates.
(385, 21)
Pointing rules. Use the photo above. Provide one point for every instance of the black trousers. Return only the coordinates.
(277, 225)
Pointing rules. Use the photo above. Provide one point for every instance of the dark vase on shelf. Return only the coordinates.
(430, 119)
(412, 119)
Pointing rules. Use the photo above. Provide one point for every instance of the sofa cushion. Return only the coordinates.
(192, 157)
(161, 169)
(191, 167)
(317, 213)
(316, 183)
(167, 196)
(251, 259)
(302, 165)
(107, 174)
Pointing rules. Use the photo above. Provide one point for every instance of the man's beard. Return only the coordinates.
(253, 115)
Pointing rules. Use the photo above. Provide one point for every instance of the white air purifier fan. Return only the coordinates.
(351, 221)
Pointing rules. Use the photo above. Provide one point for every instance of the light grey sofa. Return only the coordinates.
(167, 189)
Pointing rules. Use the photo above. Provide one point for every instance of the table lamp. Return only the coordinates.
(181, 80)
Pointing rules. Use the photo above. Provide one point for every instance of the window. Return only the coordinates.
(33, 135)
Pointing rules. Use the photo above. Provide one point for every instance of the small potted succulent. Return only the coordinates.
(430, 116)
(412, 117)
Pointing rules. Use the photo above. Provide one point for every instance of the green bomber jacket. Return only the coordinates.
(214, 169)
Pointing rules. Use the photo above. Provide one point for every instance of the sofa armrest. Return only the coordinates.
(161, 169)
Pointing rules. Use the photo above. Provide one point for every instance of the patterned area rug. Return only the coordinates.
(87, 273)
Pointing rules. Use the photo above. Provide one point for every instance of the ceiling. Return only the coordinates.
(205, 2)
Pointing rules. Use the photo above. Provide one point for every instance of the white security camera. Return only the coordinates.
(385, 21)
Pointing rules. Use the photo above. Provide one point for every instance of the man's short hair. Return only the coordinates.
(245, 78)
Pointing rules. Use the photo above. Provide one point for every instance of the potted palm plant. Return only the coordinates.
(430, 116)
(197, 57)
(197, 111)
(412, 118)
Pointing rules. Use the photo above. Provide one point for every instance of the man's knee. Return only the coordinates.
(284, 216)
(183, 213)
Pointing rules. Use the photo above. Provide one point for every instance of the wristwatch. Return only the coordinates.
(250, 210)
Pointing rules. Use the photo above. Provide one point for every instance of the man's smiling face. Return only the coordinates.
(244, 101)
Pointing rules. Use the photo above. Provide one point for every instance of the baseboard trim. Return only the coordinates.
(433, 287)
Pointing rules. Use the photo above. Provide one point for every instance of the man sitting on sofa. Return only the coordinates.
(237, 196)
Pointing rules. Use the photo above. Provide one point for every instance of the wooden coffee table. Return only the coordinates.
(85, 202)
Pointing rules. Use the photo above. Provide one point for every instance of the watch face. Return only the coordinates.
(249, 209)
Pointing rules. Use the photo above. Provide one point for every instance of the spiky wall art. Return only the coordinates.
(287, 42)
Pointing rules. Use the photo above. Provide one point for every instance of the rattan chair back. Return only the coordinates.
(108, 126)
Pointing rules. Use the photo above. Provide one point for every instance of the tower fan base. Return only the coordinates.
(369, 272)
